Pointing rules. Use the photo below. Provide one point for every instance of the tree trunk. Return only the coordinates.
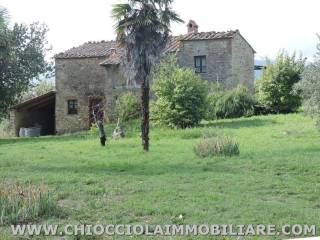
(145, 114)
(102, 134)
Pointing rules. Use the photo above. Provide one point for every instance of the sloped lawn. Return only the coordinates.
(275, 180)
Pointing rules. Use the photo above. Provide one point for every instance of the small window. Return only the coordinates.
(200, 63)
(72, 107)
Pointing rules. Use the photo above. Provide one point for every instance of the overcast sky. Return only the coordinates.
(268, 25)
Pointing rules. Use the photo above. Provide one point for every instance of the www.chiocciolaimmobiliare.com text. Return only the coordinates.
(165, 230)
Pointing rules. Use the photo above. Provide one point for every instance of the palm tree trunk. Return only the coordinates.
(145, 89)
(102, 133)
(145, 115)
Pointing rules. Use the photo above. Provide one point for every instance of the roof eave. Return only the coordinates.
(78, 57)
(109, 64)
(209, 39)
(20, 105)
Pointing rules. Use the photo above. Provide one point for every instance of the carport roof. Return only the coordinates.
(36, 102)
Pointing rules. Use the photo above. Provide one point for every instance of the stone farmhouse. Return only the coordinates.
(93, 73)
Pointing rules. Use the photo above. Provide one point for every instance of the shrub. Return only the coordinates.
(180, 95)
(21, 204)
(274, 89)
(93, 131)
(230, 104)
(127, 107)
(216, 146)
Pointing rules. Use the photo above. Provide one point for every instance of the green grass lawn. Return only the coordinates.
(275, 180)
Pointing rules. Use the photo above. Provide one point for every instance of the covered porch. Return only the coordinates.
(36, 112)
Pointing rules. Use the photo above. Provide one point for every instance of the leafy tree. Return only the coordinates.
(22, 59)
(309, 88)
(143, 28)
(274, 89)
(181, 95)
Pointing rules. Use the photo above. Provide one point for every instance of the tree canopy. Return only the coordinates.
(309, 88)
(275, 88)
(23, 50)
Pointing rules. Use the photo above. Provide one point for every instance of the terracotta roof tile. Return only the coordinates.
(112, 51)
(89, 49)
(114, 57)
(175, 42)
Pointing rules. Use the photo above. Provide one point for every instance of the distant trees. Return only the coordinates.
(22, 58)
(275, 88)
(143, 29)
(309, 88)
(42, 87)
(180, 95)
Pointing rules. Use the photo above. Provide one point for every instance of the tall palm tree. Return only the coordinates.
(143, 28)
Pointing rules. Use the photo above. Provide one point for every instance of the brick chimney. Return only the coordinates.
(192, 27)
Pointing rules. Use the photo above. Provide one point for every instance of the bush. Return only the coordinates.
(230, 104)
(22, 204)
(127, 107)
(180, 96)
(274, 89)
(216, 146)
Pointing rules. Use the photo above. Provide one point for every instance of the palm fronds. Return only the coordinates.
(143, 28)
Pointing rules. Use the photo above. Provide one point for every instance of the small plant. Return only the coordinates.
(94, 131)
(128, 107)
(216, 146)
(22, 204)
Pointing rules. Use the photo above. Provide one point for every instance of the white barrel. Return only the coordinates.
(22, 132)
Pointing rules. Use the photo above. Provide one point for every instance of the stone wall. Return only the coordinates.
(229, 62)
(84, 79)
(242, 62)
(219, 59)
(14, 119)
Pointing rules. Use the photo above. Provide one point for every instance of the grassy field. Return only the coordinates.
(275, 180)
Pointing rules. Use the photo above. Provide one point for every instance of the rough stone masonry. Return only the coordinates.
(93, 73)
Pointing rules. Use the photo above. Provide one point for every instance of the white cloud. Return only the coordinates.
(268, 25)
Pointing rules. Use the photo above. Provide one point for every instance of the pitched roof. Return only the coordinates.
(175, 42)
(36, 101)
(113, 53)
(113, 57)
(89, 49)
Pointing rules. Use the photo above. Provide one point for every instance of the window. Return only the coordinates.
(200, 63)
(72, 107)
